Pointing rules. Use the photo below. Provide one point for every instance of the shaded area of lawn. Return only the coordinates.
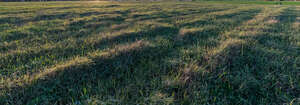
(130, 69)
(64, 45)
(165, 59)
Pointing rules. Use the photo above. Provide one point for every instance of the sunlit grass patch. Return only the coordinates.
(148, 53)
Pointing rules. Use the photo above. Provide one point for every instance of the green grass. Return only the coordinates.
(95, 53)
(253, 2)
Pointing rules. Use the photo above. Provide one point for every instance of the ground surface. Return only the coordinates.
(149, 53)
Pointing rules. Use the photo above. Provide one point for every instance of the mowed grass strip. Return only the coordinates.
(151, 54)
(244, 65)
(88, 43)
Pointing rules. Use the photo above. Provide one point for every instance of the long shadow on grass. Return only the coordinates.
(163, 15)
(66, 15)
(67, 52)
(77, 25)
(279, 59)
(265, 72)
(64, 53)
(16, 12)
(219, 27)
(70, 51)
(74, 27)
(64, 8)
(124, 75)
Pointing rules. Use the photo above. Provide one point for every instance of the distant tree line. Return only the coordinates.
(39, 0)
(137, 0)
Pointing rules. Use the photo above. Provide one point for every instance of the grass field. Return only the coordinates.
(91, 53)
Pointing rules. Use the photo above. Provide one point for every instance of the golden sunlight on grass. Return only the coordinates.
(154, 53)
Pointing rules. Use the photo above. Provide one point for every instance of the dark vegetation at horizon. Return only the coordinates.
(156, 53)
(229, 1)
